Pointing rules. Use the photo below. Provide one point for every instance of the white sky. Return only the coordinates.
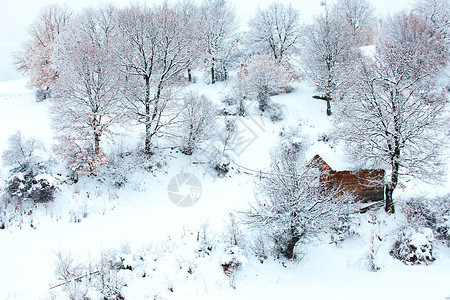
(16, 16)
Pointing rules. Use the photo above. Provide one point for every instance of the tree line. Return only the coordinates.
(108, 66)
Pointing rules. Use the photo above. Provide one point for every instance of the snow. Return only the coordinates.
(90, 216)
(418, 239)
(48, 177)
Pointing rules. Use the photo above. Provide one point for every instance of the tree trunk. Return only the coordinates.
(241, 107)
(263, 98)
(389, 206)
(96, 142)
(213, 75)
(96, 134)
(328, 106)
(390, 187)
(290, 246)
(147, 146)
(289, 251)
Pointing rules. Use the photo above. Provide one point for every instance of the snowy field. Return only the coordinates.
(88, 217)
(121, 232)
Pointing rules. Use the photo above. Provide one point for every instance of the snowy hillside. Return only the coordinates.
(140, 220)
(226, 150)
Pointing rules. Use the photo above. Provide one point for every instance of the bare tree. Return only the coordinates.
(327, 52)
(276, 31)
(392, 115)
(293, 205)
(35, 60)
(217, 33)
(88, 89)
(156, 47)
(359, 15)
(198, 120)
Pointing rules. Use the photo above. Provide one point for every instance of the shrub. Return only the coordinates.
(276, 112)
(29, 168)
(231, 263)
(432, 213)
(39, 188)
(414, 247)
(42, 94)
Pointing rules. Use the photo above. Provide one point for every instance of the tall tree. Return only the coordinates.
(217, 33)
(392, 115)
(359, 15)
(327, 52)
(276, 31)
(293, 206)
(87, 93)
(156, 47)
(35, 60)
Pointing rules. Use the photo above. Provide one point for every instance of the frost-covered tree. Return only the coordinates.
(24, 155)
(260, 77)
(156, 46)
(392, 115)
(87, 94)
(276, 31)
(36, 58)
(437, 12)
(197, 122)
(327, 52)
(217, 34)
(293, 206)
(359, 15)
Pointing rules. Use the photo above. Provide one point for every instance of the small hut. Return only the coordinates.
(366, 185)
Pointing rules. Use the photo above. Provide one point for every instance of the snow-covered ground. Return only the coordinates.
(90, 216)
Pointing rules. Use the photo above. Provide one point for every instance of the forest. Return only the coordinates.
(177, 158)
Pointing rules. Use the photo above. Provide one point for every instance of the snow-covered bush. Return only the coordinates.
(197, 122)
(40, 188)
(275, 112)
(15, 212)
(234, 234)
(217, 151)
(42, 94)
(259, 246)
(29, 169)
(205, 241)
(72, 274)
(292, 141)
(108, 282)
(124, 160)
(78, 280)
(231, 263)
(25, 155)
(80, 157)
(432, 213)
(414, 247)
(342, 229)
(293, 206)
